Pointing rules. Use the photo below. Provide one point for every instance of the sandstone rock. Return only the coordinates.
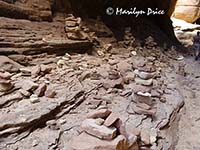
(45, 69)
(118, 83)
(143, 106)
(87, 142)
(111, 119)
(143, 99)
(150, 112)
(29, 85)
(102, 132)
(121, 127)
(140, 88)
(145, 94)
(144, 75)
(41, 90)
(9, 65)
(35, 71)
(102, 113)
(148, 82)
(148, 68)
(50, 92)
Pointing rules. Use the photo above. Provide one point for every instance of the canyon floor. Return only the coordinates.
(119, 96)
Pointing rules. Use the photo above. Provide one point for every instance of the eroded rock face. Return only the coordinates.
(188, 10)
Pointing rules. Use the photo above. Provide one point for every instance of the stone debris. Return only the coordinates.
(100, 131)
(104, 133)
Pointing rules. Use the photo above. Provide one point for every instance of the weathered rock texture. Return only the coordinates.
(188, 10)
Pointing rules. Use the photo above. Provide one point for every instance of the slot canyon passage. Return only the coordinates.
(76, 76)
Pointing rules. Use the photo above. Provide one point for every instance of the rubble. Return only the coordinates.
(107, 130)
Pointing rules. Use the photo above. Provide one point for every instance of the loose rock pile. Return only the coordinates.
(104, 130)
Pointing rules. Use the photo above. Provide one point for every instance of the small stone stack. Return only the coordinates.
(103, 130)
(142, 96)
(128, 38)
(150, 43)
(73, 28)
(5, 81)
